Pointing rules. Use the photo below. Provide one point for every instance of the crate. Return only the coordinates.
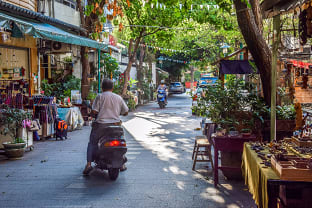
(294, 168)
(302, 143)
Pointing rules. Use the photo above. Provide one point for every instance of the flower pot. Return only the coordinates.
(14, 153)
(14, 150)
(246, 134)
(9, 145)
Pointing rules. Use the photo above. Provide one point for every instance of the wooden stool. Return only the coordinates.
(201, 142)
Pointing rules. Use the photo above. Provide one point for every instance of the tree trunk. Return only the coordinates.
(256, 44)
(85, 85)
(192, 77)
(140, 68)
(256, 9)
(131, 55)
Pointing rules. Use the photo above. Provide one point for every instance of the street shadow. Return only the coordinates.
(171, 138)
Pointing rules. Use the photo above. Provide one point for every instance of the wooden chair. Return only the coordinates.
(202, 148)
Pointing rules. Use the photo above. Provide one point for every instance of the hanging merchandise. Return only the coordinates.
(303, 27)
(14, 93)
(309, 22)
(46, 112)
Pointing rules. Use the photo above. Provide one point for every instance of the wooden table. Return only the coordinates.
(266, 187)
(227, 144)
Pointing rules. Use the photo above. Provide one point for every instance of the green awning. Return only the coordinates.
(45, 31)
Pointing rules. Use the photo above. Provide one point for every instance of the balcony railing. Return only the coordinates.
(69, 3)
(27, 4)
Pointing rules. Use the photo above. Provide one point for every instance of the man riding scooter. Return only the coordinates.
(162, 86)
(107, 108)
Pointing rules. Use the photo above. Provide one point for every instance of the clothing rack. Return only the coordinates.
(46, 111)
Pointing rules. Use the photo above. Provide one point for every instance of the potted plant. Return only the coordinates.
(233, 131)
(11, 121)
(285, 121)
(220, 131)
(246, 132)
(232, 106)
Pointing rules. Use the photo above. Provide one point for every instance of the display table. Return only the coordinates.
(227, 144)
(263, 183)
(256, 176)
(72, 116)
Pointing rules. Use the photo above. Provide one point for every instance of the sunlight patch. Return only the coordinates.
(176, 170)
(180, 185)
(141, 130)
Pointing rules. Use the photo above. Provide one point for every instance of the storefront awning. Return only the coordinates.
(45, 31)
(237, 67)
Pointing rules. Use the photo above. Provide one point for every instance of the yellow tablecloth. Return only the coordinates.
(256, 176)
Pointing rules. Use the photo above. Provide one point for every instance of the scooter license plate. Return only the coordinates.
(160, 96)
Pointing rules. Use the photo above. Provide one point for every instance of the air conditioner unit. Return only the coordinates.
(60, 47)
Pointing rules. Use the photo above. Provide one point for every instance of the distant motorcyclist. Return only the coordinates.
(162, 86)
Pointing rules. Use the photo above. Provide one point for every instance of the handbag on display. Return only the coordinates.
(35, 125)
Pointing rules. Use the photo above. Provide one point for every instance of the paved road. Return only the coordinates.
(159, 169)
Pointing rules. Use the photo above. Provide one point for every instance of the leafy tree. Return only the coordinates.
(249, 19)
(110, 66)
(142, 20)
(204, 32)
(92, 18)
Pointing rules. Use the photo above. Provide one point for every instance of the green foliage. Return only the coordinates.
(197, 75)
(11, 120)
(91, 96)
(286, 112)
(130, 101)
(61, 89)
(238, 105)
(235, 105)
(68, 59)
(146, 89)
(111, 66)
(89, 9)
(117, 88)
(131, 104)
(132, 82)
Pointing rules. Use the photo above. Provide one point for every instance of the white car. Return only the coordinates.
(176, 87)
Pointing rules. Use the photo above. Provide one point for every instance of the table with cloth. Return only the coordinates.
(263, 183)
(256, 176)
(72, 116)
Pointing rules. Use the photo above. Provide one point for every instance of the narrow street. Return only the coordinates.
(159, 174)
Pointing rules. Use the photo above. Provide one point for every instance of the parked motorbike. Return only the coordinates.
(161, 98)
(111, 151)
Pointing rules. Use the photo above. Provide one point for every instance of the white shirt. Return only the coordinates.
(109, 107)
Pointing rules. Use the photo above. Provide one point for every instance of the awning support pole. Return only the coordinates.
(99, 72)
(276, 41)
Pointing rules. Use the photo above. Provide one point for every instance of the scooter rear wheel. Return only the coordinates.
(161, 105)
(113, 173)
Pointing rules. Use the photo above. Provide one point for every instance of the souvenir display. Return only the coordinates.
(290, 167)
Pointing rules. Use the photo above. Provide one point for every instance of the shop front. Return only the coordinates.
(26, 62)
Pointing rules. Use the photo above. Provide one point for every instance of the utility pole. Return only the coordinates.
(276, 41)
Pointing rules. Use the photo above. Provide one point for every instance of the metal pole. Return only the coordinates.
(38, 73)
(99, 72)
(276, 41)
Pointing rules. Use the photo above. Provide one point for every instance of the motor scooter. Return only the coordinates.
(161, 98)
(111, 151)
